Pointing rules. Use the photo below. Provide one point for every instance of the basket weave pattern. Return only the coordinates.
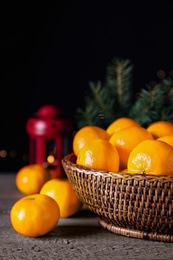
(134, 202)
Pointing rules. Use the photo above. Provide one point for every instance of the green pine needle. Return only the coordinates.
(112, 99)
(119, 75)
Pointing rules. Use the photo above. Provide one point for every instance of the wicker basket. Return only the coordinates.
(132, 205)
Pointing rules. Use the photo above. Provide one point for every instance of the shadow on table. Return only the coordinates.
(73, 232)
(80, 225)
(83, 213)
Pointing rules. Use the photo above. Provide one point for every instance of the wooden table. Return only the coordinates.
(77, 237)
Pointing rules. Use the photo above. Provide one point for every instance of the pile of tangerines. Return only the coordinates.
(46, 200)
(125, 146)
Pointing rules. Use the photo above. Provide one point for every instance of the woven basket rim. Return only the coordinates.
(68, 161)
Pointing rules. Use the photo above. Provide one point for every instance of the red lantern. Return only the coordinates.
(50, 138)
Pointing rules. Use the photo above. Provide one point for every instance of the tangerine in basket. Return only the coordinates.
(167, 139)
(121, 123)
(124, 171)
(160, 128)
(99, 154)
(125, 140)
(62, 191)
(151, 157)
(30, 178)
(87, 134)
(34, 215)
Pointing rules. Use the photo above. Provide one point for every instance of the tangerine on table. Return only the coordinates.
(125, 140)
(87, 134)
(34, 215)
(160, 128)
(121, 123)
(62, 191)
(167, 139)
(151, 157)
(30, 178)
(99, 154)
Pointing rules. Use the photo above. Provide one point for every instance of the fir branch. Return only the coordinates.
(152, 104)
(98, 94)
(119, 73)
(119, 87)
(83, 118)
(167, 108)
(141, 110)
(97, 109)
(108, 101)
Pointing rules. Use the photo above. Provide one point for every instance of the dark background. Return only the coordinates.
(50, 50)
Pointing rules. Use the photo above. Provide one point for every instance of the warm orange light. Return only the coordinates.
(3, 153)
(160, 74)
(50, 159)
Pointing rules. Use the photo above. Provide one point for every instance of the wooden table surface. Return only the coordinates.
(76, 237)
